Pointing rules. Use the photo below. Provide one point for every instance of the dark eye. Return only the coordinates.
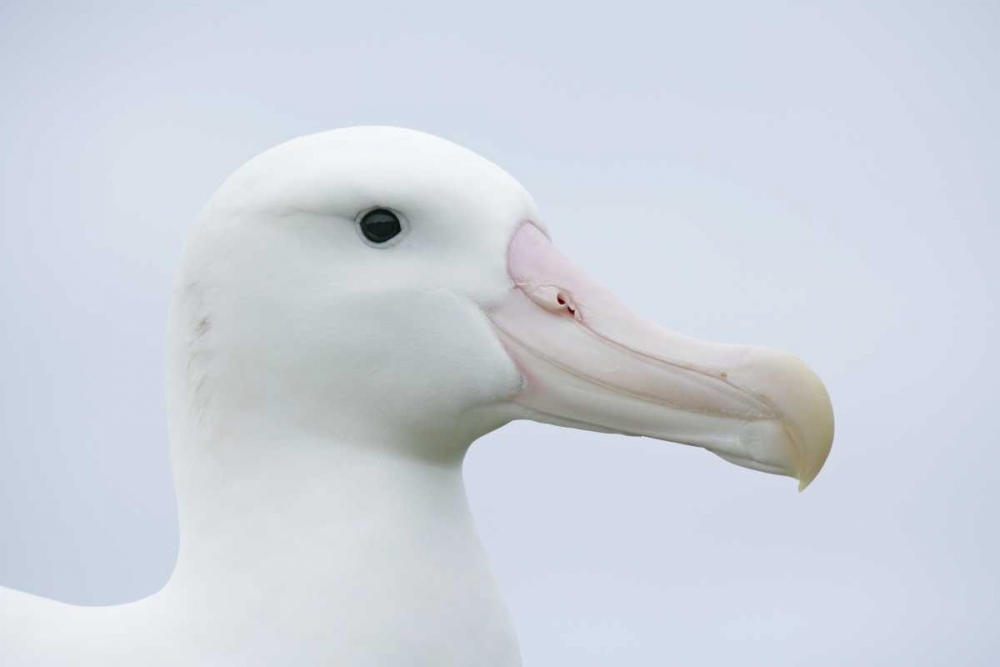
(380, 225)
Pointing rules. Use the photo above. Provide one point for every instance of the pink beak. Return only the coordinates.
(588, 362)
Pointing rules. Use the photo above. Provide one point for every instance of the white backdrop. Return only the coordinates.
(822, 180)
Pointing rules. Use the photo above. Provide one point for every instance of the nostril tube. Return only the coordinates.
(551, 298)
(566, 303)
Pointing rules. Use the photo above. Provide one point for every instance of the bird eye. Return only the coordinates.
(380, 225)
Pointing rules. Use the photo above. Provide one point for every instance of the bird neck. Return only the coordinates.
(288, 504)
(347, 547)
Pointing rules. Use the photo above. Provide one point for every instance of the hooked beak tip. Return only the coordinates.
(802, 401)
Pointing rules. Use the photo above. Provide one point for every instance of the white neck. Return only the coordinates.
(310, 548)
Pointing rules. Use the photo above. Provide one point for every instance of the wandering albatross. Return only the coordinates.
(353, 310)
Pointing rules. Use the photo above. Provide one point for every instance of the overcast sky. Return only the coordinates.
(819, 180)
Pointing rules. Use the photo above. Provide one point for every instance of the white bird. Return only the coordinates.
(353, 310)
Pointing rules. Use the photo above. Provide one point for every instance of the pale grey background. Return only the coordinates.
(823, 180)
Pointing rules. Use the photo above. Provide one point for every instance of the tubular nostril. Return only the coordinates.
(566, 303)
(551, 298)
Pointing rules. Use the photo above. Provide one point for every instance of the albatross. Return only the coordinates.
(353, 310)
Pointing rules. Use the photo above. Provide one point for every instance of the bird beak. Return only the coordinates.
(588, 362)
